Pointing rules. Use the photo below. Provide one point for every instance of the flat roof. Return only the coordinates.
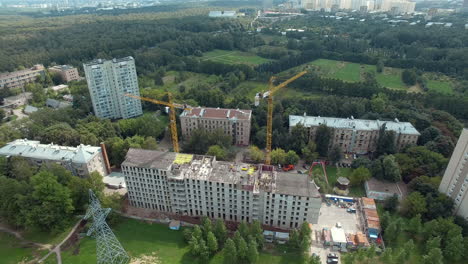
(351, 123)
(218, 113)
(102, 61)
(115, 179)
(34, 149)
(250, 177)
(338, 235)
(293, 183)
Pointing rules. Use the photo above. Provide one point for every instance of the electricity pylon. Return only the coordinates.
(108, 248)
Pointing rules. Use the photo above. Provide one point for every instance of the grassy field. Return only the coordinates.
(141, 238)
(353, 72)
(332, 173)
(234, 57)
(11, 251)
(443, 87)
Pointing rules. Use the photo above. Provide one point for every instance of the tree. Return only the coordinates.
(237, 238)
(291, 157)
(441, 144)
(217, 151)
(257, 232)
(278, 156)
(385, 142)
(50, 205)
(409, 77)
(220, 231)
(298, 138)
(309, 153)
(150, 143)
(2, 115)
(361, 162)
(414, 225)
(255, 154)
(359, 176)
(201, 140)
(230, 252)
(294, 240)
(433, 257)
(212, 243)
(391, 232)
(194, 246)
(314, 260)
(335, 154)
(322, 139)
(243, 229)
(414, 204)
(20, 168)
(242, 249)
(432, 243)
(187, 233)
(380, 66)
(453, 249)
(252, 252)
(391, 203)
(204, 252)
(391, 169)
(197, 232)
(206, 226)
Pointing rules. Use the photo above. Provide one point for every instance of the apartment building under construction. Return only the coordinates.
(198, 185)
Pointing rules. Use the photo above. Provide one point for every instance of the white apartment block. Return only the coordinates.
(18, 79)
(396, 6)
(455, 180)
(357, 135)
(108, 82)
(233, 122)
(66, 72)
(81, 161)
(197, 185)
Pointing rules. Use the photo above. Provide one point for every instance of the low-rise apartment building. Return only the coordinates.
(81, 160)
(233, 122)
(198, 185)
(18, 79)
(66, 72)
(455, 180)
(357, 135)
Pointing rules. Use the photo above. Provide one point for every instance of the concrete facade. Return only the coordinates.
(81, 161)
(357, 135)
(197, 185)
(108, 82)
(233, 122)
(455, 180)
(18, 79)
(68, 73)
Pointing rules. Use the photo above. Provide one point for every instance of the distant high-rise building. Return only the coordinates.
(455, 180)
(108, 82)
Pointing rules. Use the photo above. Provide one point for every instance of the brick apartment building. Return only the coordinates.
(18, 79)
(66, 72)
(357, 135)
(198, 185)
(233, 122)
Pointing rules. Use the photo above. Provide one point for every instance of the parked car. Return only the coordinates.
(351, 210)
(288, 167)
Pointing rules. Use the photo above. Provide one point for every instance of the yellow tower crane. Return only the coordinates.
(172, 116)
(271, 91)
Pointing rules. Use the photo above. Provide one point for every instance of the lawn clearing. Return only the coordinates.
(234, 57)
(332, 173)
(443, 87)
(11, 250)
(141, 238)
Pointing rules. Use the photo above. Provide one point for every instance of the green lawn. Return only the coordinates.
(332, 173)
(141, 238)
(443, 87)
(11, 251)
(234, 57)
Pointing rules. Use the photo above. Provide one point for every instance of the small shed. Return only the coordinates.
(269, 236)
(282, 237)
(174, 225)
(29, 109)
(338, 236)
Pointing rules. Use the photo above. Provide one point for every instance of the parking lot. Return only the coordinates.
(329, 216)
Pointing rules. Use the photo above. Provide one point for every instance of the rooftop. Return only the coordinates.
(27, 95)
(37, 67)
(62, 67)
(217, 113)
(33, 149)
(201, 167)
(101, 61)
(351, 123)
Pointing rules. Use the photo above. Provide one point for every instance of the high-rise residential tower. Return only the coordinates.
(108, 82)
(455, 180)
